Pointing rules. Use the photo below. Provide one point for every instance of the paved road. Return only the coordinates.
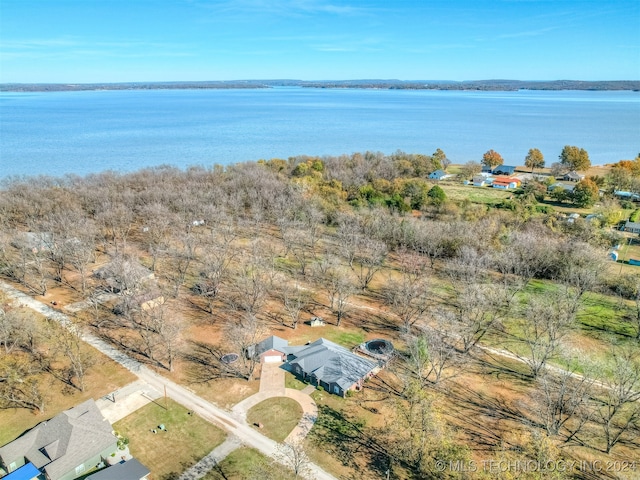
(181, 395)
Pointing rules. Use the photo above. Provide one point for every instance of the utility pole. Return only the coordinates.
(165, 398)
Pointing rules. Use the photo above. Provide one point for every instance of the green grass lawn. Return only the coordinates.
(347, 339)
(600, 323)
(245, 463)
(290, 381)
(486, 195)
(168, 453)
(278, 416)
(605, 314)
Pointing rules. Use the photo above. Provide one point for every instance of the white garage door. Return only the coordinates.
(272, 359)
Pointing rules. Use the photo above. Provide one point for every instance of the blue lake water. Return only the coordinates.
(83, 132)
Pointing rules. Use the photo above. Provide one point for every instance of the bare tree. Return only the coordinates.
(430, 239)
(468, 267)
(82, 250)
(29, 266)
(76, 357)
(295, 239)
(18, 331)
(349, 237)
(338, 284)
(408, 297)
(54, 233)
(477, 308)
(158, 224)
(411, 262)
(295, 300)
(168, 326)
(157, 328)
(181, 256)
(314, 219)
(561, 400)
(526, 255)
(580, 268)
(19, 386)
(292, 455)
(629, 288)
(546, 321)
(242, 336)
(368, 260)
(418, 433)
(617, 406)
(116, 220)
(6, 263)
(430, 357)
(248, 288)
(214, 271)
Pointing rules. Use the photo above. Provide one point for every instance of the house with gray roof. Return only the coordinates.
(504, 170)
(632, 227)
(129, 470)
(64, 447)
(331, 366)
(438, 175)
(573, 176)
(321, 363)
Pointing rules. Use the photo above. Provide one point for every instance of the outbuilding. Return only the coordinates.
(504, 170)
(572, 176)
(506, 183)
(438, 175)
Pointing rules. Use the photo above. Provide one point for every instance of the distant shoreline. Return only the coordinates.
(480, 85)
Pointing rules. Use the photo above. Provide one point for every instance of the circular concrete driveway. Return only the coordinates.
(272, 385)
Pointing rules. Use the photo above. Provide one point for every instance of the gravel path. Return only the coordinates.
(211, 461)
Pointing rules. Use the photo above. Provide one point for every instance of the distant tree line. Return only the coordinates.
(481, 85)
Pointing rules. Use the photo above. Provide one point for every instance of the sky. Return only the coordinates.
(88, 41)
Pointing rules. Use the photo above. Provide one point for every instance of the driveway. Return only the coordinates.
(117, 405)
(272, 385)
(272, 379)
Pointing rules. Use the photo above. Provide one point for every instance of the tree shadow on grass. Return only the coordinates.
(497, 365)
(205, 364)
(486, 419)
(346, 438)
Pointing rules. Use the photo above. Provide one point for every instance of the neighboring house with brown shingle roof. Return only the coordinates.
(64, 447)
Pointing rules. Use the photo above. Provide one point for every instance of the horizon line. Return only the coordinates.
(380, 80)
